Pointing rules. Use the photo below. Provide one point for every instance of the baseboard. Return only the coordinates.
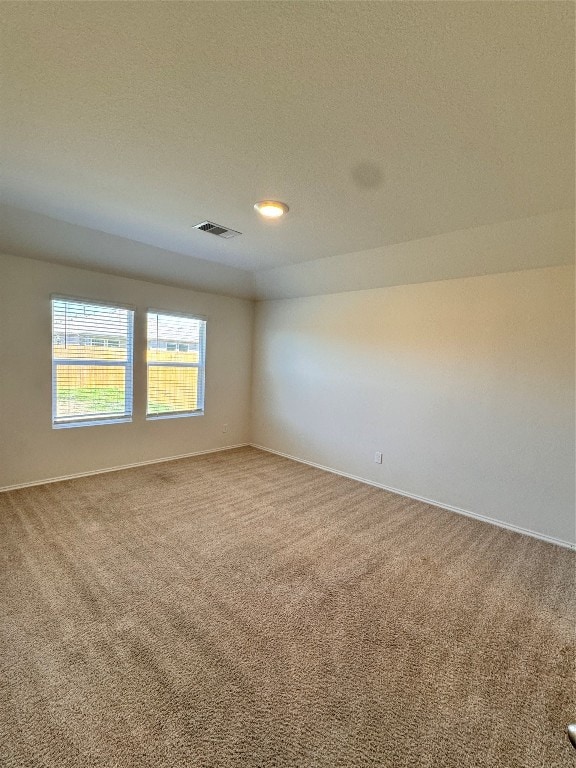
(399, 492)
(117, 469)
(448, 507)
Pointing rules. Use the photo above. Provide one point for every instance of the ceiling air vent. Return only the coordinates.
(216, 229)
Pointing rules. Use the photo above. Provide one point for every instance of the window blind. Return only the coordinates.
(91, 363)
(176, 351)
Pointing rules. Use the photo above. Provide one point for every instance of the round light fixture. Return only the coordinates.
(271, 209)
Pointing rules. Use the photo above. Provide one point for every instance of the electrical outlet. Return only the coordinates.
(224, 427)
(378, 457)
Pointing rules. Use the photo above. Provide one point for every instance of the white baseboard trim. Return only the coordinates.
(448, 507)
(117, 469)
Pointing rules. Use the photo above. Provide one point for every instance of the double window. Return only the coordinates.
(92, 363)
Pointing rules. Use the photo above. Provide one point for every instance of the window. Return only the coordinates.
(91, 363)
(175, 354)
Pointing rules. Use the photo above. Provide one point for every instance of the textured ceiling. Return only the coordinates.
(378, 123)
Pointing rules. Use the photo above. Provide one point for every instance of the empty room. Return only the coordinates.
(287, 391)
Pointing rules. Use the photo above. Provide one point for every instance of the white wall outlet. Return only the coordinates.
(378, 457)
(224, 427)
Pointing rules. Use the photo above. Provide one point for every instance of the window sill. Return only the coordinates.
(162, 416)
(92, 423)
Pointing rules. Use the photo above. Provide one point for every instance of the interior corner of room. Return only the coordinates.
(465, 387)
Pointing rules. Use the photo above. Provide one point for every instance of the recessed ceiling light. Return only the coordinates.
(271, 209)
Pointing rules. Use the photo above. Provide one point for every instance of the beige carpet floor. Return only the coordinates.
(240, 609)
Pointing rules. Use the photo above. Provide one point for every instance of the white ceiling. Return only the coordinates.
(378, 123)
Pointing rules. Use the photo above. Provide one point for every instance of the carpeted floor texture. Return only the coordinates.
(240, 609)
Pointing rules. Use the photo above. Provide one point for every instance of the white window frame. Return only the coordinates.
(128, 365)
(200, 365)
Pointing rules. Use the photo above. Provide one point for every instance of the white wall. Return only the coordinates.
(30, 450)
(466, 386)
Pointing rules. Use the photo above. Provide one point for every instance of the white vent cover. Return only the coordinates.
(216, 229)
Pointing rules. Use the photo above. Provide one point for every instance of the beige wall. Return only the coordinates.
(466, 386)
(30, 450)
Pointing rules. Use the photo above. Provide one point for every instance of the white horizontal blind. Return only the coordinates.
(176, 351)
(91, 363)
